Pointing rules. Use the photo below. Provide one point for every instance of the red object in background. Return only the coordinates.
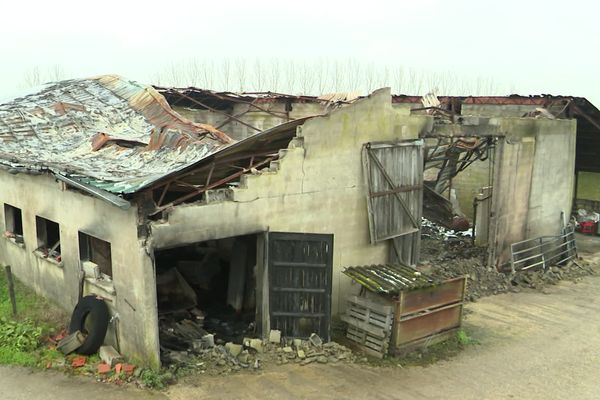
(587, 227)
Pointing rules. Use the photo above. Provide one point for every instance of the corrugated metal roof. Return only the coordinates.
(389, 278)
(108, 132)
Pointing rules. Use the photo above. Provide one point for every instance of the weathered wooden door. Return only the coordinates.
(299, 269)
(394, 174)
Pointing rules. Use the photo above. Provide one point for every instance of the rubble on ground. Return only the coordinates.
(254, 354)
(447, 254)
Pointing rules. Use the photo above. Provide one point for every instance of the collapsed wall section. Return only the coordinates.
(317, 186)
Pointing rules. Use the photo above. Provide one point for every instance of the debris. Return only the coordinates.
(109, 355)
(103, 368)
(256, 344)
(315, 340)
(129, 369)
(234, 349)
(275, 336)
(71, 343)
(301, 354)
(78, 361)
(208, 340)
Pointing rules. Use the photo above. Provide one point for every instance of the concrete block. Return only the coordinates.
(243, 357)
(315, 340)
(109, 355)
(275, 336)
(208, 340)
(287, 349)
(297, 343)
(301, 354)
(90, 269)
(71, 343)
(233, 349)
(256, 344)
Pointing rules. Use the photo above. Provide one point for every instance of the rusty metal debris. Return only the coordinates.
(388, 278)
(106, 132)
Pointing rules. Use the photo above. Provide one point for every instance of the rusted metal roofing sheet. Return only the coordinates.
(107, 132)
(389, 278)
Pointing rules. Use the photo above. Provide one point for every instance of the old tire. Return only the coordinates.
(90, 316)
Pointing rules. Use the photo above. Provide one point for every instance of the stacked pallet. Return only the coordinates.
(369, 324)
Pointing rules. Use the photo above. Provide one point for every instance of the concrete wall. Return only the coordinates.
(316, 187)
(252, 116)
(468, 184)
(497, 110)
(537, 168)
(588, 185)
(133, 281)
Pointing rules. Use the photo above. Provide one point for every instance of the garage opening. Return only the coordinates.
(206, 293)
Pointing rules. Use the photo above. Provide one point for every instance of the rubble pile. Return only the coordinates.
(253, 354)
(541, 278)
(447, 254)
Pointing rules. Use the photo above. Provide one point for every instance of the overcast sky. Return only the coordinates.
(528, 47)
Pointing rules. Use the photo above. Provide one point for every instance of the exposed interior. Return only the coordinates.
(206, 288)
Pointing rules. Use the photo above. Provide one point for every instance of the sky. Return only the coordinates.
(525, 47)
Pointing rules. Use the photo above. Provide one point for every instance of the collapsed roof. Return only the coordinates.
(105, 132)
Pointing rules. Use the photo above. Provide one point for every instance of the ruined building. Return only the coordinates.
(252, 202)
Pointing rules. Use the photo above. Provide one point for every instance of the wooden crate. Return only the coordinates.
(428, 315)
(369, 324)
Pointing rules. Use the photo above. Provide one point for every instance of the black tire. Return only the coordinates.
(90, 317)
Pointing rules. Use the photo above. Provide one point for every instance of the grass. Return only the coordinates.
(22, 337)
(430, 354)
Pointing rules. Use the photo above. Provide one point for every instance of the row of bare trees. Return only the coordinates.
(320, 76)
(301, 77)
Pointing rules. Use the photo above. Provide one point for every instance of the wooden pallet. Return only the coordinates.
(369, 324)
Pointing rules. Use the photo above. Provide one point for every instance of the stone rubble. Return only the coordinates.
(231, 357)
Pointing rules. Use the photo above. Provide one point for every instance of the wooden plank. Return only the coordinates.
(426, 325)
(370, 304)
(449, 292)
(365, 326)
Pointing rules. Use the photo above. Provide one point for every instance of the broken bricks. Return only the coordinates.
(78, 361)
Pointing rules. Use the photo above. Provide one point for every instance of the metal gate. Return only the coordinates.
(299, 268)
(394, 173)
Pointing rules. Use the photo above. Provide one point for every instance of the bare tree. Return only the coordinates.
(225, 72)
(240, 69)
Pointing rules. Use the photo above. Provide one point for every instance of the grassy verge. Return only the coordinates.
(428, 355)
(22, 338)
(25, 339)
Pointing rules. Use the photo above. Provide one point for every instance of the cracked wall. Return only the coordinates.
(316, 187)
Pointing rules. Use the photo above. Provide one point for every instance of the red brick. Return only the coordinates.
(118, 368)
(129, 368)
(78, 361)
(103, 368)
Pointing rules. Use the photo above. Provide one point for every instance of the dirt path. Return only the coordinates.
(22, 384)
(533, 346)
